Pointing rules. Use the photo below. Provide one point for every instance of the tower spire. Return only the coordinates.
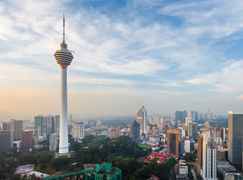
(63, 30)
(63, 44)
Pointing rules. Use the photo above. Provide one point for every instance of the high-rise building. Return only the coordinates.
(200, 151)
(207, 154)
(135, 131)
(64, 58)
(142, 119)
(195, 116)
(187, 144)
(53, 142)
(5, 139)
(45, 125)
(27, 141)
(16, 129)
(77, 130)
(173, 141)
(180, 116)
(189, 124)
(235, 138)
(6, 126)
(205, 133)
(211, 169)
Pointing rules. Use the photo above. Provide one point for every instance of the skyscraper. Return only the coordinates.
(45, 125)
(189, 125)
(64, 58)
(135, 131)
(142, 120)
(195, 116)
(211, 169)
(16, 129)
(180, 116)
(235, 138)
(173, 141)
(200, 151)
(207, 154)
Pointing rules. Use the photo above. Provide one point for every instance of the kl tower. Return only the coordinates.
(64, 58)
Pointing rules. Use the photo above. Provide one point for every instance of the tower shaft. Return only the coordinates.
(63, 132)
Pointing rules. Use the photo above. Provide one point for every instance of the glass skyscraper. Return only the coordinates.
(235, 138)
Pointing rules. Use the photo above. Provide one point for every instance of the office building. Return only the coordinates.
(211, 168)
(135, 131)
(16, 129)
(27, 141)
(200, 151)
(5, 139)
(53, 142)
(64, 58)
(45, 125)
(195, 116)
(180, 116)
(235, 138)
(189, 124)
(142, 119)
(77, 130)
(207, 154)
(173, 141)
(187, 145)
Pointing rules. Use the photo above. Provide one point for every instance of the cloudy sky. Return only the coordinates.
(166, 54)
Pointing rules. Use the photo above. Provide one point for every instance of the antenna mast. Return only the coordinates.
(63, 33)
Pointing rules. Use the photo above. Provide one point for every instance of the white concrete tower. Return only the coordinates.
(64, 58)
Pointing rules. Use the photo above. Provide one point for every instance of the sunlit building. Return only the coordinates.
(142, 119)
(78, 130)
(135, 131)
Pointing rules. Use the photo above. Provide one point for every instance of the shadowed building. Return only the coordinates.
(235, 138)
(27, 141)
(200, 152)
(135, 131)
(5, 140)
(173, 141)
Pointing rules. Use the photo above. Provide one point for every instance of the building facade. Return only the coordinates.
(45, 125)
(16, 129)
(142, 119)
(235, 138)
(135, 131)
(5, 139)
(78, 130)
(173, 141)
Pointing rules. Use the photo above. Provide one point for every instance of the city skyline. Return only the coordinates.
(166, 55)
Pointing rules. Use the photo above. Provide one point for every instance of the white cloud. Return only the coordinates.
(215, 18)
(228, 79)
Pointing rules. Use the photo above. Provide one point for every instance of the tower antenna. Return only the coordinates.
(63, 30)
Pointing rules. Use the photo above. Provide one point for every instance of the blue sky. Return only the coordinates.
(166, 54)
